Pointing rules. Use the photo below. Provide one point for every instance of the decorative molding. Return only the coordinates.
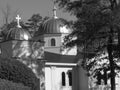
(60, 64)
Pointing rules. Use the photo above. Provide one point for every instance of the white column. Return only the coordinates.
(52, 78)
(48, 78)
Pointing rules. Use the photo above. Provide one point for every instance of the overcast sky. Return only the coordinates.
(29, 7)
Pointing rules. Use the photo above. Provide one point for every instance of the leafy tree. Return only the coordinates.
(8, 19)
(97, 20)
(35, 22)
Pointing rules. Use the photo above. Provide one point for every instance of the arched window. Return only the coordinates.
(63, 79)
(70, 78)
(0, 51)
(52, 42)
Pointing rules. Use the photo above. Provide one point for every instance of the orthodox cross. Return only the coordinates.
(18, 21)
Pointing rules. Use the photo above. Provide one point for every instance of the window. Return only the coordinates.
(63, 79)
(70, 78)
(0, 50)
(52, 42)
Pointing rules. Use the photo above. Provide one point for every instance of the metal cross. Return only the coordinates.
(18, 21)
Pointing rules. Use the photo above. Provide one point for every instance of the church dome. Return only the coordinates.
(18, 34)
(52, 26)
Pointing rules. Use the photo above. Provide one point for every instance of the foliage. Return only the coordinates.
(8, 14)
(99, 67)
(35, 22)
(96, 28)
(15, 71)
(9, 85)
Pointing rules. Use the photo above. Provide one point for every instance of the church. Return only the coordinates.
(57, 68)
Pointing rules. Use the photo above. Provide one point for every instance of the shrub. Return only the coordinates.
(9, 85)
(16, 71)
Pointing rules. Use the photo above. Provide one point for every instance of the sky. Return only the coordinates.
(27, 8)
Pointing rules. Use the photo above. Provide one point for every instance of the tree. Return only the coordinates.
(96, 21)
(8, 14)
(35, 22)
(8, 20)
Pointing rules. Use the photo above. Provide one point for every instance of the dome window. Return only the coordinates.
(53, 42)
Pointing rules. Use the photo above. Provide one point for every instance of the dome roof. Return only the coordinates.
(18, 34)
(52, 26)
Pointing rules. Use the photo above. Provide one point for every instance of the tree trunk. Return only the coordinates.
(110, 55)
(110, 48)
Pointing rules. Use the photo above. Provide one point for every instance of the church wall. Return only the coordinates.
(117, 79)
(14, 48)
(6, 49)
(48, 78)
(83, 79)
(59, 39)
(75, 79)
(53, 50)
(22, 49)
(70, 51)
(53, 78)
(48, 41)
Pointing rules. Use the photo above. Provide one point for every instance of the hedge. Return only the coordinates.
(16, 71)
(9, 85)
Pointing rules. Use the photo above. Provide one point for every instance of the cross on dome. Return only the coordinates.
(54, 10)
(18, 21)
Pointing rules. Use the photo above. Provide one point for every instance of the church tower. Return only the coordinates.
(59, 61)
(53, 32)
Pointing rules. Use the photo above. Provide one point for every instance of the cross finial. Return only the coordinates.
(54, 10)
(18, 21)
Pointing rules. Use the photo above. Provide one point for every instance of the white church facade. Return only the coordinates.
(59, 62)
